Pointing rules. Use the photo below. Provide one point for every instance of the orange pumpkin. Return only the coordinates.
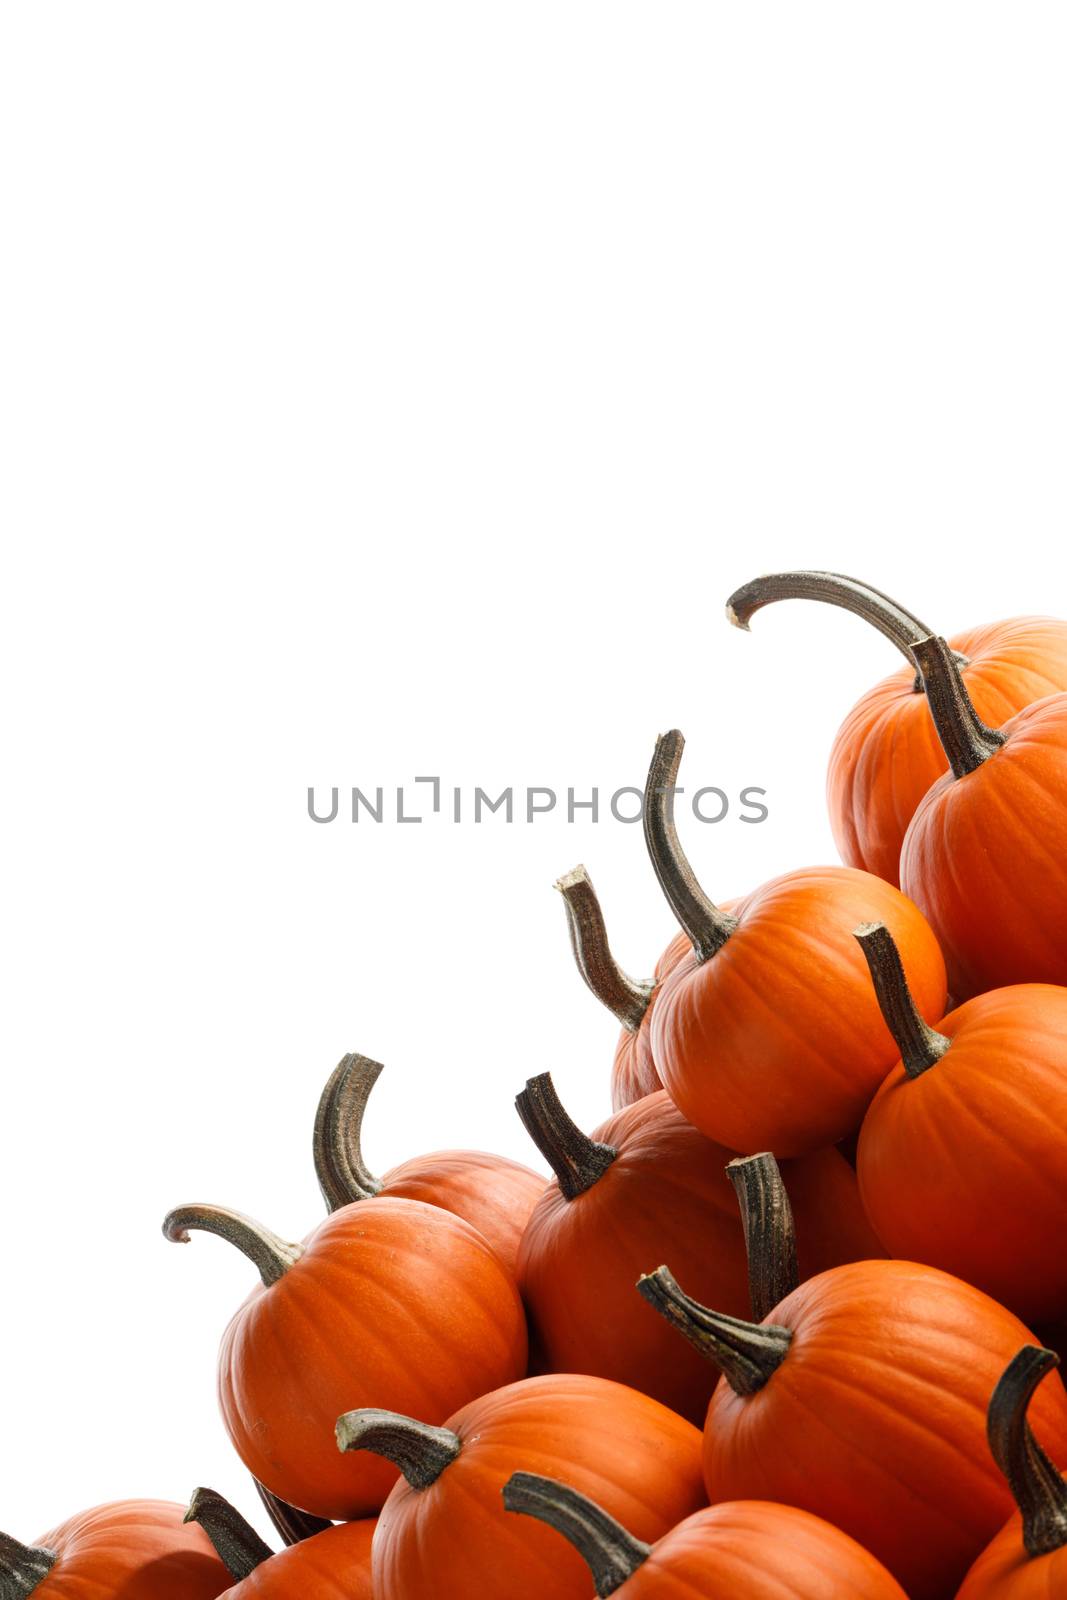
(767, 1035)
(331, 1565)
(136, 1549)
(388, 1299)
(885, 756)
(646, 1186)
(490, 1192)
(748, 1549)
(961, 1151)
(985, 855)
(444, 1534)
(1028, 1559)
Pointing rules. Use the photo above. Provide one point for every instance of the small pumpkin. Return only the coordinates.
(388, 1299)
(767, 1035)
(334, 1564)
(490, 1192)
(136, 1549)
(885, 756)
(960, 1153)
(647, 1186)
(1028, 1559)
(633, 1072)
(985, 855)
(862, 1398)
(748, 1549)
(444, 1534)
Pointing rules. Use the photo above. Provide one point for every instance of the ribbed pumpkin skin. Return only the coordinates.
(394, 1304)
(455, 1541)
(887, 755)
(964, 1166)
(634, 1074)
(876, 1418)
(335, 1565)
(132, 1550)
(665, 1198)
(754, 1550)
(986, 859)
(1004, 1571)
(490, 1192)
(776, 1042)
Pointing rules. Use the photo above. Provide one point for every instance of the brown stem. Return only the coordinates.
(577, 1160)
(338, 1144)
(625, 997)
(706, 927)
(611, 1554)
(264, 1249)
(292, 1525)
(966, 740)
(1040, 1492)
(770, 1237)
(22, 1568)
(422, 1453)
(920, 1045)
(900, 627)
(748, 1354)
(239, 1547)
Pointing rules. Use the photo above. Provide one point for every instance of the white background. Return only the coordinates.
(401, 389)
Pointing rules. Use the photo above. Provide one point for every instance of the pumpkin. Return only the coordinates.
(633, 1073)
(136, 1549)
(334, 1564)
(750, 1550)
(961, 1152)
(861, 1398)
(644, 1187)
(388, 1299)
(490, 1192)
(444, 1534)
(985, 855)
(767, 1035)
(1028, 1559)
(886, 756)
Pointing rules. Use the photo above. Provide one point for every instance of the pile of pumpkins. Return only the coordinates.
(784, 1326)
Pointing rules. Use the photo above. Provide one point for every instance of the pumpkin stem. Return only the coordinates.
(770, 1237)
(706, 927)
(238, 1545)
(22, 1568)
(264, 1249)
(748, 1354)
(625, 997)
(577, 1160)
(611, 1554)
(966, 740)
(919, 1044)
(1040, 1492)
(342, 1173)
(293, 1526)
(422, 1453)
(900, 627)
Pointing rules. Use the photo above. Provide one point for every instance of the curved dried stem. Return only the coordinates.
(706, 927)
(23, 1568)
(293, 1526)
(272, 1256)
(965, 739)
(920, 1045)
(1039, 1489)
(608, 1550)
(577, 1160)
(338, 1142)
(748, 1354)
(625, 997)
(770, 1236)
(422, 1453)
(239, 1546)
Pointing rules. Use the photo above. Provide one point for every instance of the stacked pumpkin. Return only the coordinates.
(769, 1331)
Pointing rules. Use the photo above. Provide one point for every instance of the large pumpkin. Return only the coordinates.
(490, 1192)
(1028, 1559)
(334, 1564)
(768, 1035)
(388, 1300)
(963, 1154)
(444, 1533)
(747, 1549)
(134, 1549)
(886, 756)
(647, 1186)
(985, 855)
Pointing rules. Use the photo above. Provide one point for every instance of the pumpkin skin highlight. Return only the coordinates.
(334, 1565)
(875, 1419)
(455, 1539)
(134, 1550)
